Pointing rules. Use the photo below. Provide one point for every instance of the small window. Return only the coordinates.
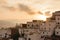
(58, 19)
(32, 25)
(43, 32)
(42, 36)
(29, 39)
(28, 25)
(58, 22)
(37, 25)
(45, 28)
(41, 24)
(57, 32)
(59, 27)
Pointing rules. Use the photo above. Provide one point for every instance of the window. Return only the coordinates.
(32, 25)
(45, 28)
(37, 25)
(43, 32)
(57, 32)
(59, 27)
(24, 25)
(42, 36)
(29, 39)
(58, 23)
(58, 19)
(41, 24)
(28, 25)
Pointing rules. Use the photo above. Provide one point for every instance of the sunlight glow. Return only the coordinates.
(40, 17)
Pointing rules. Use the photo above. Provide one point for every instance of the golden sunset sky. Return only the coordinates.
(26, 10)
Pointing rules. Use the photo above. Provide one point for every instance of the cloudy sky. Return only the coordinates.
(26, 10)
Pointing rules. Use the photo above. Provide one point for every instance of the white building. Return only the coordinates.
(47, 28)
(57, 18)
(57, 31)
(36, 29)
(35, 24)
(31, 31)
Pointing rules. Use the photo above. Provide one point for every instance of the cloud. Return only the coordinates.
(19, 7)
(12, 9)
(26, 9)
(39, 12)
(48, 14)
